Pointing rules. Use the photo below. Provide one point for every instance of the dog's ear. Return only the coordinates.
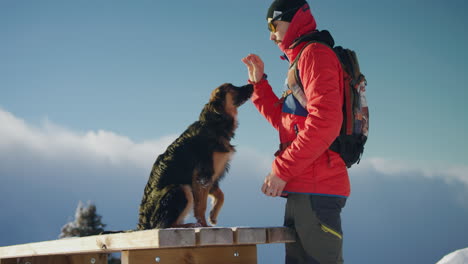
(214, 109)
(217, 100)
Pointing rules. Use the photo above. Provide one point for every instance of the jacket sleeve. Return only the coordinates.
(321, 77)
(266, 101)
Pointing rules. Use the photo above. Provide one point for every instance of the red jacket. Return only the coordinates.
(307, 165)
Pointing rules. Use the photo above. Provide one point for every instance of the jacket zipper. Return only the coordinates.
(296, 129)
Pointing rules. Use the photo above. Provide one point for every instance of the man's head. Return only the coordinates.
(279, 15)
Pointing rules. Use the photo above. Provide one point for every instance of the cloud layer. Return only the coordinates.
(53, 142)
(449, 173)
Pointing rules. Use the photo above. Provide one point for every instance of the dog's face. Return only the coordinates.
(227, 98)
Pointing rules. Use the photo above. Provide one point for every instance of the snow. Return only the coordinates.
(458, 257)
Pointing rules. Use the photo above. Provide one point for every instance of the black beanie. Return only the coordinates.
(288, 7)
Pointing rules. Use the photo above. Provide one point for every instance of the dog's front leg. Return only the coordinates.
(200, 196)
(218, 201)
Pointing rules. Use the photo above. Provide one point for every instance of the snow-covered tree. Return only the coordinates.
(87, 222)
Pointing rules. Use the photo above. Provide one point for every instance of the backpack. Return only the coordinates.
(355, 127)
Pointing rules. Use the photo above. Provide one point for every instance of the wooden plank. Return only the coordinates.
(40, 260)
(61, 259)
(200, 255)
(249, 235)
(150, 239)
(214, 236)
(87, 259)
(8, 261)
(280, 235)
(163, 238)
(64, 259)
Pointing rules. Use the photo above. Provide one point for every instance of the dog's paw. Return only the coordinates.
(213, 218)
(196, 225)
(190, 225)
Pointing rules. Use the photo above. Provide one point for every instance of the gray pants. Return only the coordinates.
(317, 222)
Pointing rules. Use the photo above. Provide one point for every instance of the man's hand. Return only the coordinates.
(273, 185)
(255, 67)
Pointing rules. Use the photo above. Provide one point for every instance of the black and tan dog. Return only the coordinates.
(190, 169)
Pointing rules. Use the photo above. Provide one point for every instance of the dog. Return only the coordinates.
(190, 169)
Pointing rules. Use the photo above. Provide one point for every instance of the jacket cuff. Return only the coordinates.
(264, 78)
(277, 172)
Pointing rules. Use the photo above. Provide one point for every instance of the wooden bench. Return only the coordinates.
(166, 246)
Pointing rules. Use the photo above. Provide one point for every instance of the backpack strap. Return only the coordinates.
(305, 46)
(294, 80)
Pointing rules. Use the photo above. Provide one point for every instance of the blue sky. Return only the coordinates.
(92, 91)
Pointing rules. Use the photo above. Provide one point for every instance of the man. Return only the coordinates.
(313, 177)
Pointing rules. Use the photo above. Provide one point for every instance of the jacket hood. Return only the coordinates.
(302, 23)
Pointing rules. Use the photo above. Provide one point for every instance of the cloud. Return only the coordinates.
(398, 168)
(53, 142)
